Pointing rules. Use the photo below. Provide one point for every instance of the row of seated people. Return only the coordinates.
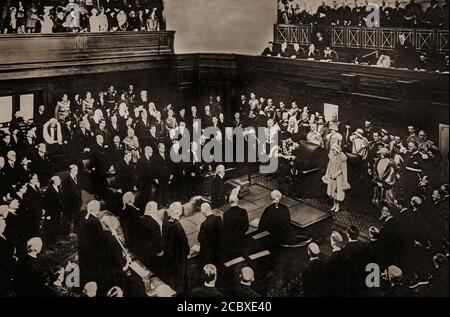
(101, 16)
(412, 15)
(403, 57)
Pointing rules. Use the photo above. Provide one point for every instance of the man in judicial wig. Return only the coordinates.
(276, 219)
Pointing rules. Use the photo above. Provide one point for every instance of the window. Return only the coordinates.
(6, 109)
(329, 110)
(27, 106)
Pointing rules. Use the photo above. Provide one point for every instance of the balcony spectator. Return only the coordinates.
(269, 50)
(153, 21)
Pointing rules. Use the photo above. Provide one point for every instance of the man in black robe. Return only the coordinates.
(210, 238)
(90, 245)
(29, 278)
(276, 219)
(150, 245)
(235, 226)
(176, 251)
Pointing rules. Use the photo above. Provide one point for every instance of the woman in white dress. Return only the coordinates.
(47, 22)
(336, 177)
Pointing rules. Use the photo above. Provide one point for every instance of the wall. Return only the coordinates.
(222, 26)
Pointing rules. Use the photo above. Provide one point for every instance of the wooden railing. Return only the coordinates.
(59, 47)
(363, 37)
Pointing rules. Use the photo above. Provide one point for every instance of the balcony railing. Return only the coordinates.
(363, 37)
(63, 47)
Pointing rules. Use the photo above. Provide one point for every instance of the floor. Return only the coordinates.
(277, 274)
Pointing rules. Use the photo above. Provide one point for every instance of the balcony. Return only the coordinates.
(435, 41)
(28, 55)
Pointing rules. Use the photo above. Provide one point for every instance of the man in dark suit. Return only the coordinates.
(4, 188)
(235, 226)
(53, 203)
(208, 289)
(336, 269)
(355, 252)
(210, 238)
(390, 241)
(373, 247)
(150, 248)
(312, 274)
(72, 200)
(105, 132)
(41, 164)
(147, 171)
(7, 262)
(34, 200)
(269, 51)
(276, 219)
(11, 169)
(100, 164)
(83, 137)
(125, 174)
(246, 278)
(164, 176)
(218, 198)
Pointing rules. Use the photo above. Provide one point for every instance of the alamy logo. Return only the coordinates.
(373, 15)
(72, 275)
(239, 145)
(374, 276)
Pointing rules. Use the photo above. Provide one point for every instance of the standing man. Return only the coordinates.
(53, 202)
(146, 175)
(72, 200)
(276, 219)
(218, 198)
(235, 226)
(90, 244)
(7, 263)
(312, 274)
(210, 238)
(165, 174)
(176, 251)
(35, 203)
(150, 237)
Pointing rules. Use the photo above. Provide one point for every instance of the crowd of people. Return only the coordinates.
(404, 56)
(126, 136)
(45, 17)
(412, 15)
